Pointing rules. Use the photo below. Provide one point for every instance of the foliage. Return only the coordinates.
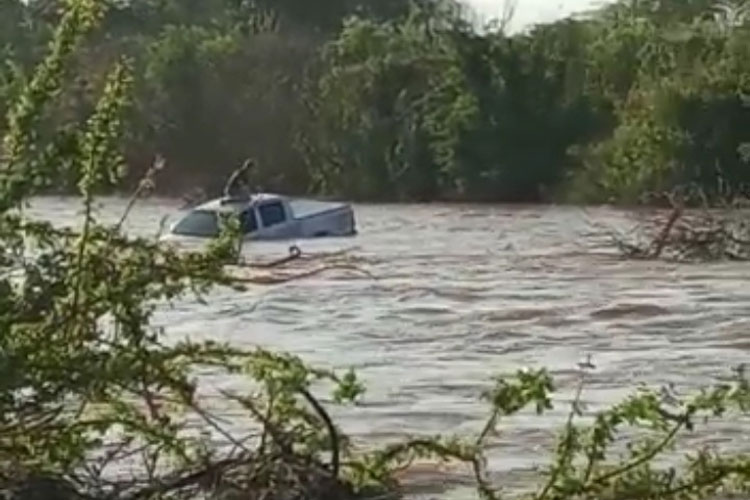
(534, 108)
(426, 108)
(589, 461)
(405, 100)
(641, 96)
(83, 372)
(681, 113)
(387, 110)
(86, 382)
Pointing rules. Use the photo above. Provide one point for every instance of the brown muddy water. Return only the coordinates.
(461, 293)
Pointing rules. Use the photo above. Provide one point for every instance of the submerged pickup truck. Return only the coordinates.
(268, 216)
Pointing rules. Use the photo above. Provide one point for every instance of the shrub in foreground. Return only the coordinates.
(88, 387)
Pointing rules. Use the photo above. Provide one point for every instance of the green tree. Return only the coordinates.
(680, 111)
(533, 108)
(387, 109)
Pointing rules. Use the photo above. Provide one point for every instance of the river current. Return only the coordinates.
(460, 293)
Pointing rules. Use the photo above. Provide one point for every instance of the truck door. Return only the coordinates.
(274, 221)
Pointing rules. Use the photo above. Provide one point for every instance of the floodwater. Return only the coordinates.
(458, 294)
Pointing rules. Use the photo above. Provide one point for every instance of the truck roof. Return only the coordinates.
(235, 204)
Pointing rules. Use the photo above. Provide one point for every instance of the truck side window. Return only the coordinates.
(249, 223)
(272, 213)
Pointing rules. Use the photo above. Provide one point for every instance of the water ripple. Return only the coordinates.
(465, 292)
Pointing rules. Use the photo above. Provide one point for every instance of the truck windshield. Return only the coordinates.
(202, 223)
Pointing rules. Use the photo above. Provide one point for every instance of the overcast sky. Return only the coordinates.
(532, 11)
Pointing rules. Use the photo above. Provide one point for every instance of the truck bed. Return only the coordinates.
(303, 208)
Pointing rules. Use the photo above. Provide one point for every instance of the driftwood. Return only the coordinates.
(661, 241)
(333, 261)
(704, 234)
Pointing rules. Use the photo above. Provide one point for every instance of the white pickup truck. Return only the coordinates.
(268, 216)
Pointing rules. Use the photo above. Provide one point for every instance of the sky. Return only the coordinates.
(532, 11)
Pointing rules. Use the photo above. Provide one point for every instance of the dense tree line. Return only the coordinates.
(406, 100)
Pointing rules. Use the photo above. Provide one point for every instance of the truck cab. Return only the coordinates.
(268, 219)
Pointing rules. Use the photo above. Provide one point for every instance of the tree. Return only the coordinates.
(387, 109)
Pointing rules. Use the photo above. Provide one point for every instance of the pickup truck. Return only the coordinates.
(268, 216)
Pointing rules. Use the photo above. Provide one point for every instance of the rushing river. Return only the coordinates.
(461, 293)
